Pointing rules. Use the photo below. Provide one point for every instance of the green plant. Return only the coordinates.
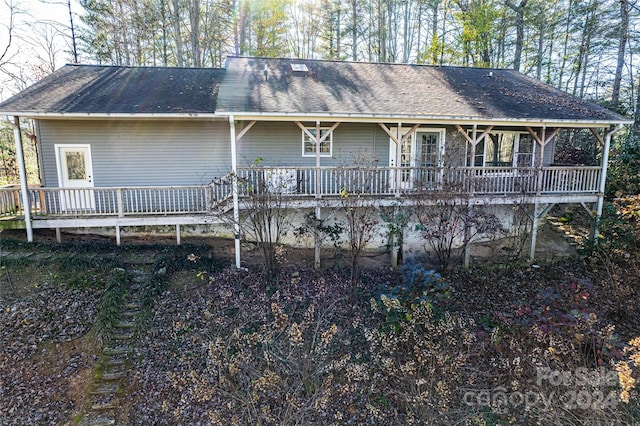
(419, 285)
(320, 230)
(110, 306)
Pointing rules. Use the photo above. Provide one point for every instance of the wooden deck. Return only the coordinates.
(71, 207)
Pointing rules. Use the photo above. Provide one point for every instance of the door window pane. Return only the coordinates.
(76, 168)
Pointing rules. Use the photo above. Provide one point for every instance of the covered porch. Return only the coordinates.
(72, 207)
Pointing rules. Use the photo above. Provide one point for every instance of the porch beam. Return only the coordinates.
(597, 135)
(544, 140)
(323, 137)
(329, 131)
(411, 131)
(475, 139)
(305, 130)
(245, 130)
(399, 139)
(390, 133)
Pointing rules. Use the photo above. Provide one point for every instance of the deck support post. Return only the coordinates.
(534, 232)
(467, 238)
(118, 235)
(317, 238)
(234, 188)
(603, 180)
(58, 236)
(24, 187)
(398, 172)
(178, 234)
(317, 243)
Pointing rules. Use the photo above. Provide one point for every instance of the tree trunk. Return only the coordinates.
(194, 17)
(565, 48)
(636, 116)
(382, 40)
(177, 33)
(519, 10)
(624, 35)
(354, 30)
(540, 55)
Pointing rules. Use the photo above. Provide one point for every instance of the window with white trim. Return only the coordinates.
(503, 149)
(309, 144)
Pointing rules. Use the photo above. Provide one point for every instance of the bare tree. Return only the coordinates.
(519, 10)
(6, 55)
(623, 38)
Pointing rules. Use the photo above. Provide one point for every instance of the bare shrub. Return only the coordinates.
(362, 217)
(266, 215)
(450, 222)
(521, 229)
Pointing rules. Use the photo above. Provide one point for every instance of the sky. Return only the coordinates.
(38, 24)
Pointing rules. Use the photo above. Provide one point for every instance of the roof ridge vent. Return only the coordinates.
(298, 67)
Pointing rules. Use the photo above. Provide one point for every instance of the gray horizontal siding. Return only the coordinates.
(154, 153)
(280, 143)
(139, 153)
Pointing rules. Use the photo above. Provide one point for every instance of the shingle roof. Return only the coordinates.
(325, 88)
(93, 89)
(343, 88)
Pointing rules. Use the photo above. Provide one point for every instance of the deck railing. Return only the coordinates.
(301, 182)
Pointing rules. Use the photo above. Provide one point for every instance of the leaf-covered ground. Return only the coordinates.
(493, 345)
(514, 345)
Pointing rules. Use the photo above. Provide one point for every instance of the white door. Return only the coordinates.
(420, 159)
(75, 175)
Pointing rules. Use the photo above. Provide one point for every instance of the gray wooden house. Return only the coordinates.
(127, 146)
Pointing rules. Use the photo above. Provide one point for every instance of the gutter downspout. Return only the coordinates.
(603, 180)
(234, 189)
(17, 136)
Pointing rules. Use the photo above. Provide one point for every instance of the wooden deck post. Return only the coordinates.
(317, 244)
(534, 232)
(234, 188)
(26, 204)
(603, 180)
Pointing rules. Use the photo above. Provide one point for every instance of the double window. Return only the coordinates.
(503, 149)
(309, 144)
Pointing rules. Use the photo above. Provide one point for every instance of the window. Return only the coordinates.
(507, 149)
(309, 144)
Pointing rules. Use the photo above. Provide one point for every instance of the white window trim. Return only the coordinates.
(328, 140)
(59, 161)
(441, 148)
(516, 148)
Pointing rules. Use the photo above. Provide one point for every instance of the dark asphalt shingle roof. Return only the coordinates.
(343, 88)
(94, 89)
(327, 88)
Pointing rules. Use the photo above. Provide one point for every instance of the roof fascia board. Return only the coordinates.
(354, 118)
(120, 116)
(365, 118)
